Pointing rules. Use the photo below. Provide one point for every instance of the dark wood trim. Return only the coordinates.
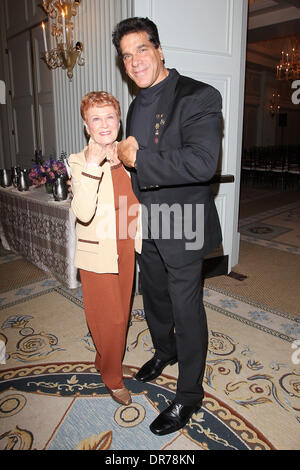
(222, 179)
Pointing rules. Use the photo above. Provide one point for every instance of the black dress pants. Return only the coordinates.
(176, 317)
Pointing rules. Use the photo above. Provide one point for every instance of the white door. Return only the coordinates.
(29, 81)
(31, 98)
(43, 97)
(206, 40)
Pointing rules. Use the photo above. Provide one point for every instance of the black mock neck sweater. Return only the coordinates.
(143, 118)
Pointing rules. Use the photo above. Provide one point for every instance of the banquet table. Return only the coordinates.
(41, 229)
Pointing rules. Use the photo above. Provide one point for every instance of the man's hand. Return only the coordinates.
(127, 151)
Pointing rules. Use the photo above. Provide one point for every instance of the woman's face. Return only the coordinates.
(102, 123)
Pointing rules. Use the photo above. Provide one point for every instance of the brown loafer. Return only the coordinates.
(121, 395)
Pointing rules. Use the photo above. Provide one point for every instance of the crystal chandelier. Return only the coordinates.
(289, 66)
(274, 106)
(66, 54)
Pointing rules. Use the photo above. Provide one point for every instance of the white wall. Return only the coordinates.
(94, 24)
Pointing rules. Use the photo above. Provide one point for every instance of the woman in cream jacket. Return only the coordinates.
(106, 227)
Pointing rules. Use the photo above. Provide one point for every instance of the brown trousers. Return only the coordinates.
(106, 300)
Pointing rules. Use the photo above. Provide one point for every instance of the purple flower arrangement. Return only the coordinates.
(46, 172)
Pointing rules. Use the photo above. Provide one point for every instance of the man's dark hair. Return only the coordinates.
(135, 25)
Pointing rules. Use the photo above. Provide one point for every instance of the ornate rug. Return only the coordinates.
(52, 398)
(276, 228)
(272, 277)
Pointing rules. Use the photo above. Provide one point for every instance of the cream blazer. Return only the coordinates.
(94, 207)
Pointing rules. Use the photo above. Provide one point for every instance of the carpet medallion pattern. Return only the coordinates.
(277, 228)
(89, 419)
(51, 396)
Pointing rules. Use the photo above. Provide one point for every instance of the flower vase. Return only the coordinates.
(48, 188)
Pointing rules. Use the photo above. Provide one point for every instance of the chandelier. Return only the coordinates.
(66, 54)
(274, 106)
(289, 66)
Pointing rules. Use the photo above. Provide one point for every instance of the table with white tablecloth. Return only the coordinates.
(41, 229)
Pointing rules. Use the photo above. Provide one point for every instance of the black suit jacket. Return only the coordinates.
(173, 172)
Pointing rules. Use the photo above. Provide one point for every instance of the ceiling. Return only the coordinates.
(272, 19)
(273, 26)
(263, 4)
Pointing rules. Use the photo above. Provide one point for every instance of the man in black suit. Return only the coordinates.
(172, 147)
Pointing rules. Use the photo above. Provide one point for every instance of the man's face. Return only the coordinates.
(143, 63)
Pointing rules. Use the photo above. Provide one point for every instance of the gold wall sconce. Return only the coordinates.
(66, 54)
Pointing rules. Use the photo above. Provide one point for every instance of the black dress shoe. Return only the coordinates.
(153, 369)
(173, 418)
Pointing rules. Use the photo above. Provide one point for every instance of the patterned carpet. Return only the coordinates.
(51, 396)
(269, 258)
(277, 228)
(269, 277)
